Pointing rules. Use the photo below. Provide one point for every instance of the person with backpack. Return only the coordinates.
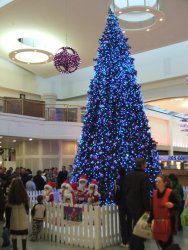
(38, 213)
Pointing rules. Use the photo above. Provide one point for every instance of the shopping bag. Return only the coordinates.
(142, 229)
(184, 217)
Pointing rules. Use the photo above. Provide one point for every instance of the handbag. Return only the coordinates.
(142, 229)
(184, 217)
(161, 229)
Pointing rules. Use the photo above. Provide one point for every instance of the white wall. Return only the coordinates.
(16, 94)
(41, 154)
(14, 77)
(152, 66)
(162, 63)
(165, 129)
(29, 127)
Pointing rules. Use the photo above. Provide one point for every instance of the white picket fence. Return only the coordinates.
(99, 227)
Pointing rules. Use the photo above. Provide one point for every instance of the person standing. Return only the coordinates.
(62, 176)
(39, 181)
(178, 191)
(18, 201)
(38, 213)
(70, 171)
(30, 185)
(2, 210)
(164, 205)
(124, 217)
(137, 193)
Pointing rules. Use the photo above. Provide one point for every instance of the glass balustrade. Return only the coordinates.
(57, 112)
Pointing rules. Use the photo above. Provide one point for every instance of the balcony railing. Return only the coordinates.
(58, 112)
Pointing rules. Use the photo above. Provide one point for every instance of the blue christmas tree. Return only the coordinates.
(115, 131)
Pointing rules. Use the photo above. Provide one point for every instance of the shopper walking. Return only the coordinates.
(137, 192)
(162, 213)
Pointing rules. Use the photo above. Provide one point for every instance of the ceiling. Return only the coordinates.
(83, 21)
(178, 105)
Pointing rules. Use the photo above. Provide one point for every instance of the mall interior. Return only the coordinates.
(41, 109)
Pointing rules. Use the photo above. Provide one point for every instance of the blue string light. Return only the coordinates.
(115, 130)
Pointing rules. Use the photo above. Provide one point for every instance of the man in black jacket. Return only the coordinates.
(62, 176)
(124, 217)
(39, 181)
(137, 191)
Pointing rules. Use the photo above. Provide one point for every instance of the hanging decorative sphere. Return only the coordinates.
(66, 60)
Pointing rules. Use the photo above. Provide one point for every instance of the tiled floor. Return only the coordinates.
(181, 239)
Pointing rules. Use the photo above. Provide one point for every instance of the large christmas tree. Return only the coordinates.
(115, 131)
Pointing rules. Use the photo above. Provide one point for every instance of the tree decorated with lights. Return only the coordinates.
(115, 130)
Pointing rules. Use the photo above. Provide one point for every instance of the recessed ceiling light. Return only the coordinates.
(120, 12)
(147, 9)
(148, 30)
(124, 31)
(30, 139)
(161, 19)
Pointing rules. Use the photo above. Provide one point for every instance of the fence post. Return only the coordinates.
(97, 224)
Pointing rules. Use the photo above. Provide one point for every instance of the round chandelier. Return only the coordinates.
(31, 56)
(30, 52)
(138, 15)
(66, 60)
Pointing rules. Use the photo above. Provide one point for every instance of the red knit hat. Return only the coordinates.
(64, 184)
(83, 178)
(74, 186)
(50, 184)
(67, 184)
(94, 183)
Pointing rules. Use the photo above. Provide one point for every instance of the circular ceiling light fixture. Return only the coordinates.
(138, 15)
(30, 52)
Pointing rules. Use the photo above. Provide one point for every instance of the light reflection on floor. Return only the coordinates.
(181, 239)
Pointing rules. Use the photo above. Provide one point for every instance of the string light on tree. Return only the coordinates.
(115, 130)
